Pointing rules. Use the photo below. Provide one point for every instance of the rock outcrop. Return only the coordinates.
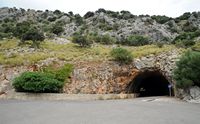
(111, 77)
(117, 24)
(7, 74)
(191, 94)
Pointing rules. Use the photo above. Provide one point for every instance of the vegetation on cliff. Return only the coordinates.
(187, 72)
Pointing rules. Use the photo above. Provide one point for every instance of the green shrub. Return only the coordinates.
(161, 19)
(61, 74)
(88, 15)
(184, 43)
(137, 40)
(185, 16)
(35, 36)
(107, 39)
(82, 40)
(189, 27)
(57, 29)
(52, 19)
(122, 55)
(7, 28)
(105, 27)
(78, 19)
(125, 15)
(187, 72)
(5, 35)
(37, 82)
(57, 12)
(21, 28)
(187, 38)
(101, 10)
(113, 14)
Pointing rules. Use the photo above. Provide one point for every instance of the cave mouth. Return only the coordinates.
(150, 83)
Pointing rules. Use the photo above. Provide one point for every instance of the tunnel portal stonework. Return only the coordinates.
(111, 77)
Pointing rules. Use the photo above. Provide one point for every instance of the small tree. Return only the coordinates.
(35, 36)
(122, 55)
(57, 29)
(187, 72)
(78, 19)
(21, 28)
(82, 40)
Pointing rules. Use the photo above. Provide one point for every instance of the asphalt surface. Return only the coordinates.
(132, 111)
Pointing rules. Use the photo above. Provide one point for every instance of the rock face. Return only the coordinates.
(6, 77)
(134, 26)
(190, 95)
(7, 74)
(111, 77)
(108, 76)
(116, 24)
(101, 77)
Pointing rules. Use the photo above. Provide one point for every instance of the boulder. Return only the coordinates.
(195, 92)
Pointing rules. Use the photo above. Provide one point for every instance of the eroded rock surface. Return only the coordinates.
(111, 77)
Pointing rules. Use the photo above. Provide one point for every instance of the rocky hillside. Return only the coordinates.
(119, 25)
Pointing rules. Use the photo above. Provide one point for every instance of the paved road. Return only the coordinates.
(134, 111)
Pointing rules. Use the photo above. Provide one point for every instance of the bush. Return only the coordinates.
(187, 72)
(137, 40)
(37, 82)
(186, 39)
(184, 43)
(188, 35)
(35, 36)
(189, 27)
(107, 39)
(7, 28)
(57, 12)
(161, 19)
(122, 55)
(185, 16)
(82, 40)
(51, 19)
(113, 14)
(21, 28)
(101, 10)
(88, 15)
(5, 35)
(57, 29)
(78, 19)
(105, 27)
(125, 15)
(61, 74)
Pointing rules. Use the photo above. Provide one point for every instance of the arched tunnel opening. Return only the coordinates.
(150, 83)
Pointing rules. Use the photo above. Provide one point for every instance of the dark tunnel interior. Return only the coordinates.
(150, 83)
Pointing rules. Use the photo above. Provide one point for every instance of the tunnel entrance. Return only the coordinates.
(150, 83)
